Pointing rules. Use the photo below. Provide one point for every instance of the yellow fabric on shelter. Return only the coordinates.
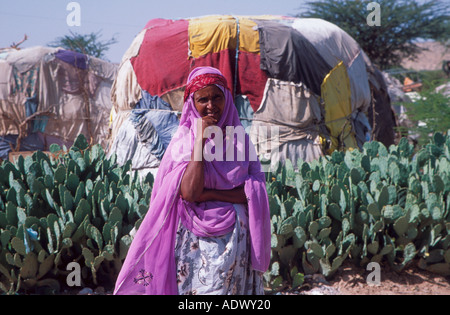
(336, 94)
(248, 36)
(212, 34)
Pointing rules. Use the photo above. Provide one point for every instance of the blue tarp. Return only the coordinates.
(30, 143)
(74, 58)
(245, 111)
(40, 122)
(155, 123)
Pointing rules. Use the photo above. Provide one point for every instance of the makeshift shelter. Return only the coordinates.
(303, 80)
(51, 95)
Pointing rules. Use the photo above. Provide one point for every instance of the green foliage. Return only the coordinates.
(73, 206)
(402, 22)
(385, 205)
(89, 44)
(433, 111)
(430, 79)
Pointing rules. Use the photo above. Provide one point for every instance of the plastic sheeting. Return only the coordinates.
(338, 110)
(335, 45)
(66, 93)
(26, 59)
(245, 112)
(144, 136)
(380, 113)
(75, 59)
(212, 34)
(287, 55)
(125, 93)
(5, 79)
(162, 63)
(155, 123)
(127, 146)
(32, 142)
(19, 89)
(275, 67)
(287, 123)
(80, 103)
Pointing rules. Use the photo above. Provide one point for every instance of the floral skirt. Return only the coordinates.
(217, 265)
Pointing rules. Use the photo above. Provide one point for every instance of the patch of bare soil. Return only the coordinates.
(430, 58)
(353, 280)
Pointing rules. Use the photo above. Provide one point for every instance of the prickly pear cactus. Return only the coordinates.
(72, 206)
(375, 205)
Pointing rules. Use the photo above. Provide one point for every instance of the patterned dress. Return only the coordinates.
(217, 265)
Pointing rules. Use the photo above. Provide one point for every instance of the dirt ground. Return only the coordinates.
(351, 280)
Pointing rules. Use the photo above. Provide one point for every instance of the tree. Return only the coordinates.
(89, 44)
(403, 22)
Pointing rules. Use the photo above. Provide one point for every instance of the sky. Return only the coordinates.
(43, 21)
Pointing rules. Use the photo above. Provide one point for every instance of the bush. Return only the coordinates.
(433, 111)
(75, 206)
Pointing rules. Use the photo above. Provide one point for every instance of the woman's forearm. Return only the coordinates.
(236, 195)
(193, 179)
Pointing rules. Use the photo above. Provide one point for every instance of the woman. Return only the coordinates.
(207, 230)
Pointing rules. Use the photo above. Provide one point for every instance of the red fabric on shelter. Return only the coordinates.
(157, 22)
(252, 80)
(162, 64)
(223, 60)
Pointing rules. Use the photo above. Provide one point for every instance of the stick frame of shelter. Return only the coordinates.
(16, 46)
(21, 127)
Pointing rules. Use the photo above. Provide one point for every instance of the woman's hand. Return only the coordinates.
(193, 181)
(204, 123)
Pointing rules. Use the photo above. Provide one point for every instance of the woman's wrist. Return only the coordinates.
(206, 195)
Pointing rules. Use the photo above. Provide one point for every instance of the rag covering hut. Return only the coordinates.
(305, 76)
(51, 95)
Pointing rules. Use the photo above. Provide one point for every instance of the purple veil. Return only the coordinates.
(149, 267)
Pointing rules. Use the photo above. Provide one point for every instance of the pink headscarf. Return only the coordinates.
(149, 267)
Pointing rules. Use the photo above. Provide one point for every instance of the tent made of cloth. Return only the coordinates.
(56, 93)
(307, 77)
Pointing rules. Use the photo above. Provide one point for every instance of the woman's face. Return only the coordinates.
(210, 101)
